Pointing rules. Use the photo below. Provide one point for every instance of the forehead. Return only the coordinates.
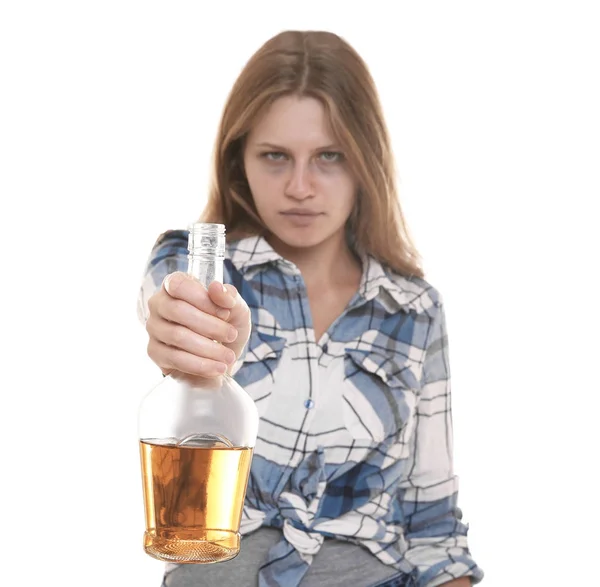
(294, 121)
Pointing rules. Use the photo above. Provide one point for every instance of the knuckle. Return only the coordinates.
(157, 355)
(170, 358)
(150, 324)
(151, 349)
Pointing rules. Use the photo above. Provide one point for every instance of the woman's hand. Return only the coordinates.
(186, 319)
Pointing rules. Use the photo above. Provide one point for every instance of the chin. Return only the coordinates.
(299, 239)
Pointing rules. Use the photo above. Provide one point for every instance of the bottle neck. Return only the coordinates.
(206, 268)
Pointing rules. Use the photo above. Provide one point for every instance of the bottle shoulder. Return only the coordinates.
(180, 407)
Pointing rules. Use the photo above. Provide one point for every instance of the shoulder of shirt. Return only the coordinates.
(173, 236)
(408, 293)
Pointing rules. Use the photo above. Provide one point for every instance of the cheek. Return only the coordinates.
(264, 188)
(342, 193)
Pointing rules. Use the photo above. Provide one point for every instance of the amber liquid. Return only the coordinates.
(193, 498)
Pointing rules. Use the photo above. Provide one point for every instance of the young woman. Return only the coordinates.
(328, 323)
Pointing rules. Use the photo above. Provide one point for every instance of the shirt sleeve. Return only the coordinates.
(435, 536)
(168, 254)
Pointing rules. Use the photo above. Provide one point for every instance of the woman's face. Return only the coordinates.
(298, 175)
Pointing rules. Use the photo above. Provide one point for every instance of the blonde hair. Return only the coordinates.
(323, 66)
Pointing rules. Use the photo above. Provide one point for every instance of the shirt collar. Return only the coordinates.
(253, 253)
(395, 292)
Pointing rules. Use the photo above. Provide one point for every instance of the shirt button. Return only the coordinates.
(325, 347)
(308, 404)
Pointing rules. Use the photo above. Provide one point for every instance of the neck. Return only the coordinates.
(327, 264)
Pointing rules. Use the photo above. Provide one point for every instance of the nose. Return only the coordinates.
(300, 185)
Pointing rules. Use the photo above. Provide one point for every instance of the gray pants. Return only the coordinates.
(338, 564)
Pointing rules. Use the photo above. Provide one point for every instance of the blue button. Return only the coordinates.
(325, 348)
(308, 404)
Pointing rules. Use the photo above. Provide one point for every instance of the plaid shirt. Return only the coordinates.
(355, 434)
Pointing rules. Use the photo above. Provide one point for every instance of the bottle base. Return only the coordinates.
(192, 546)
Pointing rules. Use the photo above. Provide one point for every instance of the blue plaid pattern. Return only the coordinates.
(355, 438)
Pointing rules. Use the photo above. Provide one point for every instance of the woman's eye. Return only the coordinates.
(274, 156)
(331, 156)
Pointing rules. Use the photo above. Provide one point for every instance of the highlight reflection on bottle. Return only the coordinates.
(193, 498)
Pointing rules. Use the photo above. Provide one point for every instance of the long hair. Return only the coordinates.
(320, 65)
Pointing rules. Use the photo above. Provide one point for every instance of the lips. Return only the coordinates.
(300, 217)
(299, 212)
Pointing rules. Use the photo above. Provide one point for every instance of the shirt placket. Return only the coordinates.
(308, 352)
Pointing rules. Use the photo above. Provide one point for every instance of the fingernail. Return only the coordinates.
(172, 287)
(231, 294)
(223, 314)
(232, 334)
(221, 368)
(230, 357)
(167, 281)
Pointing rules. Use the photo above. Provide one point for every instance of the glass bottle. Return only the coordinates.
(197, 437)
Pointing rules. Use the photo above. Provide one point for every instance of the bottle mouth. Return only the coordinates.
(201, 226)
(206, 238)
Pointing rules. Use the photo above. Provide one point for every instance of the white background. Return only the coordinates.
(107, 118)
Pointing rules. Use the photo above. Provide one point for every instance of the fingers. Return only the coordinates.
(194, 329)
(185, 301)
(172, 359)
(228, 296)
(184, 287)
(190, 317)
(184, 339)
(224, 296)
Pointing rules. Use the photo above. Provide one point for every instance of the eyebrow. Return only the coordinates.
(332, 146)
